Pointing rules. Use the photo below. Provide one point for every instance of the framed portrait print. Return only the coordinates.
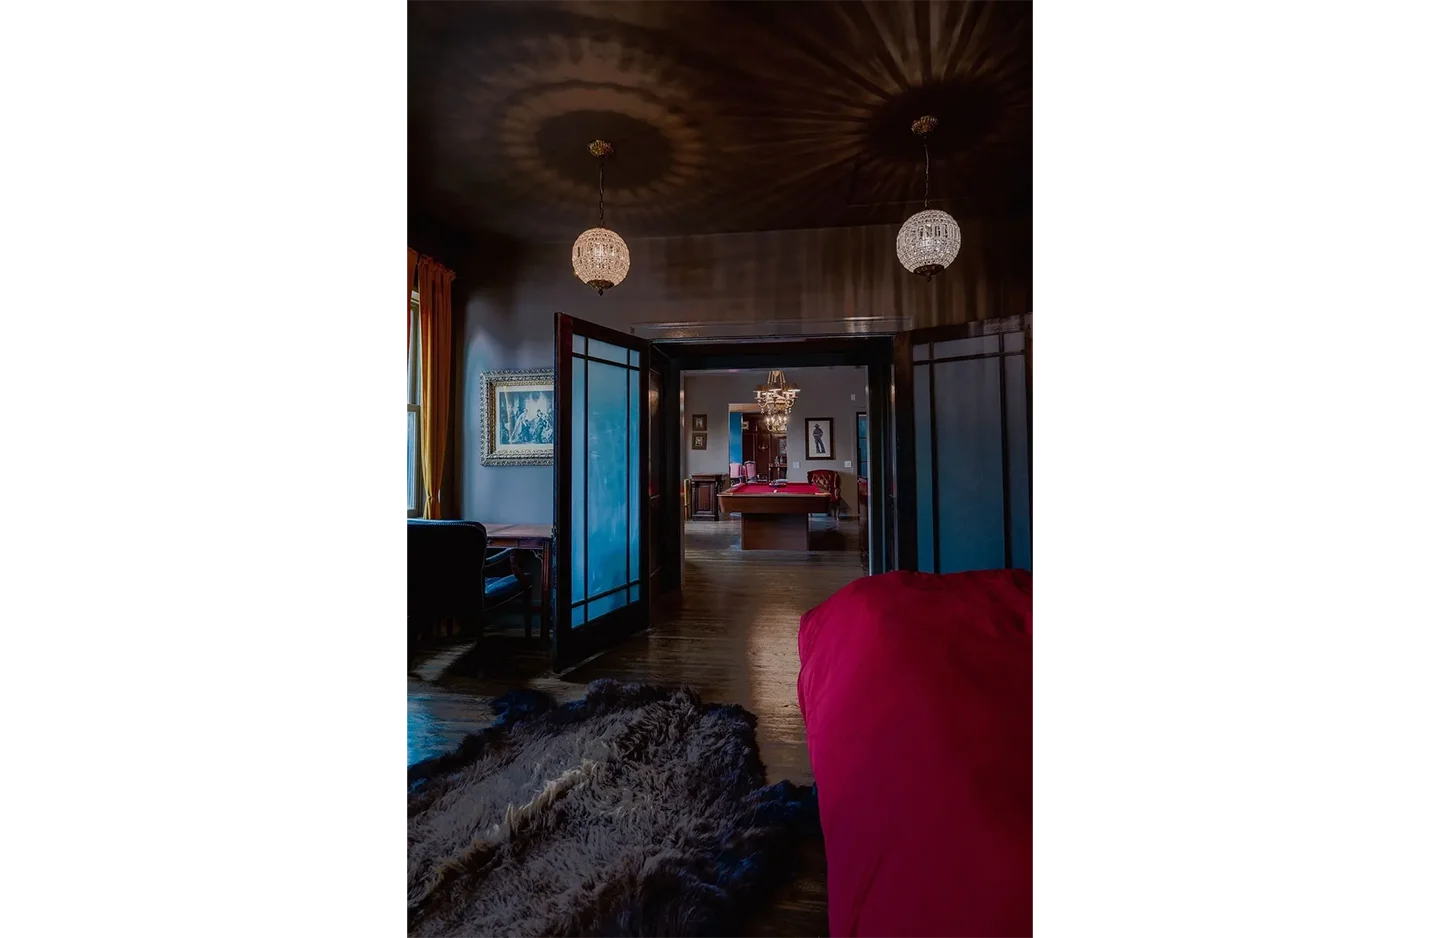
(518, 418)
(698, 423)
(697, 440)
(819, 437)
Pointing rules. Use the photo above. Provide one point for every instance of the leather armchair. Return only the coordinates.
(452, 575)
(827, 480)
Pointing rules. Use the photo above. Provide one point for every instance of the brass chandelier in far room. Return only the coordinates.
(930, 239)
(775, 419)
(600, 257)
(776, 397)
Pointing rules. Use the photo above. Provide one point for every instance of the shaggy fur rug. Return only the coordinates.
(636, 810)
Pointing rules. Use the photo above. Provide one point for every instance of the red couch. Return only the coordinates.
(915, 689)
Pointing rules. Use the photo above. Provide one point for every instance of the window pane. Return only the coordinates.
(577, 482)
(606, 495)
(1019, 456)
(412, 390)
(632, 460)
(924, 485)
(955, 348)
(967, 440)
(605, 350)
(412, 456)
(598, 607)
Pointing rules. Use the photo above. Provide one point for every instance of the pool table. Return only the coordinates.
(774, 518)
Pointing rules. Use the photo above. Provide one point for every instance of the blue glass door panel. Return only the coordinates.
(600, 512)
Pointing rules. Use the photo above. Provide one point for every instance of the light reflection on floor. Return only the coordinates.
(423, 737)
(438, 720)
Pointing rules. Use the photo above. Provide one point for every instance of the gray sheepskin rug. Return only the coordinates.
(637, 810)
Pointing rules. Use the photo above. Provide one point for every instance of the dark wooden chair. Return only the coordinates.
(828, 481)
(452, 577)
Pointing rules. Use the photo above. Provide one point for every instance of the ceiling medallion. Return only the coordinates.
(600, 257)
(930, 239)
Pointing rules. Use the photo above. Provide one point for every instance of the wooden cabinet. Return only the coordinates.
(705, 496)
(767, 449)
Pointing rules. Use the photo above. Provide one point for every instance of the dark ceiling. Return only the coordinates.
(724, 116)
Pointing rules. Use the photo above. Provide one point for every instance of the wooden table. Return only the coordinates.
(536, 537)
(775, 518)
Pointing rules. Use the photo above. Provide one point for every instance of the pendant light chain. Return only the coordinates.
(925, 142)
(602, 192)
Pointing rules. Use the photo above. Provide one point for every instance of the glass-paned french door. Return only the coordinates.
(966, 446)
(602, 463)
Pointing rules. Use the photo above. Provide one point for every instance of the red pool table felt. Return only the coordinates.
(764, 488)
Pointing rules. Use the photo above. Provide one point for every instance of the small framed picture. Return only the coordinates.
(697, 440)
(819, 437)
(698, 423)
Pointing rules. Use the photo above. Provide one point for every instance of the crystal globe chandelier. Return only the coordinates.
(929, 239)
(600, 257)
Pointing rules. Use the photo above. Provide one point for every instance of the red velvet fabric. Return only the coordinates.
(915, 689)
(765, 488)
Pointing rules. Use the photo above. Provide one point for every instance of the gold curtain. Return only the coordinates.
(409, 289)
(435, 281)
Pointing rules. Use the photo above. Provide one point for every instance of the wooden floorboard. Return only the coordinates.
(730, 635)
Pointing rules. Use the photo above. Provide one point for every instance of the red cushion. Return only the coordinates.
(915, 690)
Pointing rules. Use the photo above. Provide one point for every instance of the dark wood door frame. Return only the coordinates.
(874, 353)
(669, 439)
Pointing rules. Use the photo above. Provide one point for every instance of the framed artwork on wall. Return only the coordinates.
(819, 437)
(517, 426)
(698, 423)
(697, 440)
(782, 451)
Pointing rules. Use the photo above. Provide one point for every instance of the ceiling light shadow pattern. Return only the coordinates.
(725, 117)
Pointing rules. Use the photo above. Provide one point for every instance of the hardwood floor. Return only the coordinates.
(730, 635)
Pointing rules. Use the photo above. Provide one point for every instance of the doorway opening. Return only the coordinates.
(794, 495)
(759, 484)
(945, 487)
